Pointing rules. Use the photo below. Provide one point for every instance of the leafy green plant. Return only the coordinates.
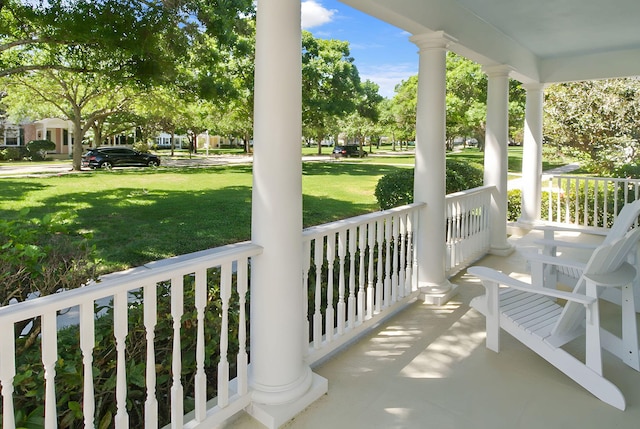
(514, 208)
(141, 147)
(11, 154)
(629, 171)
(40, 257)
(30, 391)
(38, 149)
(396, 188)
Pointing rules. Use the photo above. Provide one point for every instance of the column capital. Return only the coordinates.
(534, 86)
(433, 41)
(499, 70)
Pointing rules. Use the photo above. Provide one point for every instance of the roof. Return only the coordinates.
(543, 41)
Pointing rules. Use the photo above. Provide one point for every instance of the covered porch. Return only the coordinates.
(428, 367)
(297, 298)
(535, 44)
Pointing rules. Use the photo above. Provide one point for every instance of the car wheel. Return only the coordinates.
(153, 163)
(106, 165)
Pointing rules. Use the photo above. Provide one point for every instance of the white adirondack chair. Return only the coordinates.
(570, 272)
(534, 316)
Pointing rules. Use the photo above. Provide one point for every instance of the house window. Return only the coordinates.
(11, 135)
(65, 137)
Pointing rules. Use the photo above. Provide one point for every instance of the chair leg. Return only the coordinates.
(593, 357)
(630, 328)
(493, 315)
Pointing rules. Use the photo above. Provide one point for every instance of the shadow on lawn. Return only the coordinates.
(16, 190)
(347, 169)
(132, 226)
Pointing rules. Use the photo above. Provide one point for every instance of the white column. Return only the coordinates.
(70, 137)
(495, 154)
(532, 155)
(430, 176)
(279, 376)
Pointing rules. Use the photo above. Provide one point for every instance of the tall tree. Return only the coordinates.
(125, 38)
(182, 45)
(330, 84)
(466, 100)
(362, 122)
(405, 105)
(600, 120)
(79, 97)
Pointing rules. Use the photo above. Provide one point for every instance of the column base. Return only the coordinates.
(274, 416)
(504, 250)
(437, 294)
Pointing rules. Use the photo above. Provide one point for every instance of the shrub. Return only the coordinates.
(69, 372)
(628, 171)
(11, 154)
(396, 189)
(41, 257)
(463, 175)
(514, 209)
(141, 147)
(38, 149)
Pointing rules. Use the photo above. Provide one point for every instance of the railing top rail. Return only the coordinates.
(137, 277)
(572, 177)
(311, 232)
(472, 191)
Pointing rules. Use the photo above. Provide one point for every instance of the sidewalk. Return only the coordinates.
(517, 183)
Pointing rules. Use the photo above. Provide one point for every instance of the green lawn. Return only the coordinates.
(140, 215)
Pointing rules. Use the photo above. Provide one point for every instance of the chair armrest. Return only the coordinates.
(569, 244)
(491, 275)
(554, 260)
(620, 277)
(550, 229)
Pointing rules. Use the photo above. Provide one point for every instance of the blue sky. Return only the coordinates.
(382, 53)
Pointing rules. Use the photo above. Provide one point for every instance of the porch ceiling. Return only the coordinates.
(544, 41)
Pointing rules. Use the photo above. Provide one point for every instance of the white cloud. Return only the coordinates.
(315, 15)
(387, 76)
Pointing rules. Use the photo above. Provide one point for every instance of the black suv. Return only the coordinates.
(107, 157)
(347, 151)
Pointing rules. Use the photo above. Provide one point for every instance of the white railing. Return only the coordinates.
(201, 296)
(357, 272)
(586, 201)
(186, 318)
(468, 227)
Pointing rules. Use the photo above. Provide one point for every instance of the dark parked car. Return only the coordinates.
(107, 157)
(347, 151)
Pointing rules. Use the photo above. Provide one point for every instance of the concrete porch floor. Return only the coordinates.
(428, 368)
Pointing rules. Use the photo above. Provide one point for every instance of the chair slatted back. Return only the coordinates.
(627, 217)
(607, 258)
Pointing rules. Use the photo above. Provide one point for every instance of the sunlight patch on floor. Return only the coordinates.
(441, 356)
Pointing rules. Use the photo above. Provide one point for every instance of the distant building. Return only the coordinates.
(56, 130)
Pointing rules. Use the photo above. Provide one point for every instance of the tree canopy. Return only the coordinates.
(125, 38)
(330, 84)
(598, 120)
(466, 99)
(51, 56)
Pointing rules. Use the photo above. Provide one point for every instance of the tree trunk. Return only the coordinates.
(78, 136)
(97, 134)
(194, 142)
(247, 147)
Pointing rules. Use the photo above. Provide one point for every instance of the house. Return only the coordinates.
(537, 43)
(56, 130)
